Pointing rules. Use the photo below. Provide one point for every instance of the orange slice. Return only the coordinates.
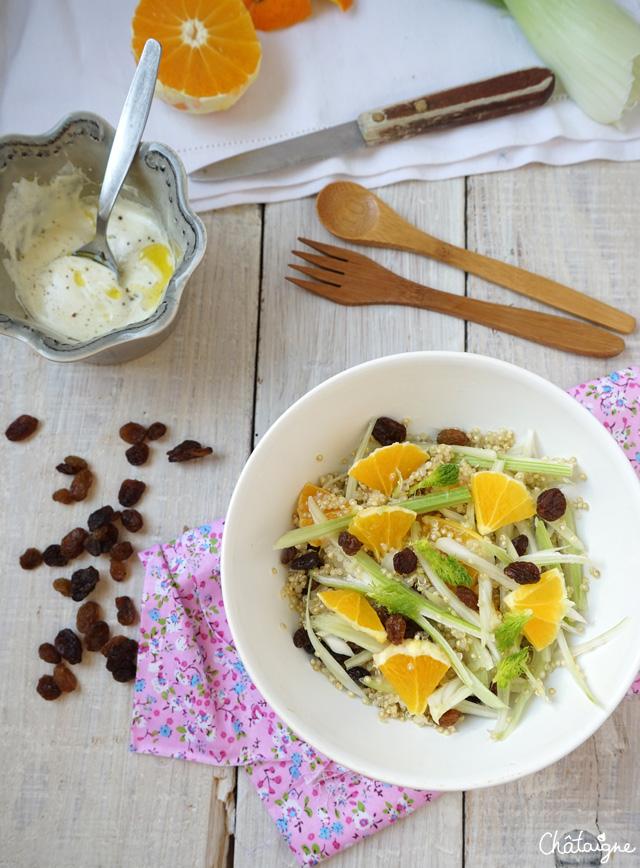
(333, 506)
(355, 610)
(499, 499)
(210, 50)
(343, 4)
(460, 530)
(547, 600)
(276, 14)
(382, 529)
(386, 466)
(414, 669)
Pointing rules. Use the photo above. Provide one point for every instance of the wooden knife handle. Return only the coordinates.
(468, 104)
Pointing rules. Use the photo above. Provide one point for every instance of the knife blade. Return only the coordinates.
(467, 104)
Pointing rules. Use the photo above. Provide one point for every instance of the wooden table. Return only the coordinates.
(249, 345)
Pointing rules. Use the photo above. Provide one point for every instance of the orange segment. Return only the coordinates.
(414, 669)
(356, 610)
(547, 600)
(276, 14)
(382, 529)
(463, 533)
(343, 4)
(332, 505)
(499, 499)
(386, 466)
(210, 50)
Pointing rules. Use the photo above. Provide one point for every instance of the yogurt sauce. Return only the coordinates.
(72, 297)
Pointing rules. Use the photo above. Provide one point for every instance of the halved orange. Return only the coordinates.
(414, 669)
(547, 600)
(499, 499)
(386, 466)
(276, 14)
(356, 610)
(210, 50)
(382, 529)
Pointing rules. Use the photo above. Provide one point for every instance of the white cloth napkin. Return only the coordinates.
(58, 56)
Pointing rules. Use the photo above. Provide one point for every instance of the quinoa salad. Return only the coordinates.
(441, 575)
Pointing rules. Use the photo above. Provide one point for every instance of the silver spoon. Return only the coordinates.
(125, 144)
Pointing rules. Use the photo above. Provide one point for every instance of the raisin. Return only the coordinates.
(62, 586)
(68, 646)
(306, 561)
(452, 437)
(53, 557)
(188, 450)
(64, 678)
(72, 545)
(83, 583)
(118, 570)
(301, 640)
(81, 484)
(405, 562)
(121, 551)
(21, 428)
(395, 625)
(467, 596)
(288, 554)
(523, 572)
(106, 535)
(387, 431)
(99, 517)
(130, 492)
(382, 612)
(122, 659)
(113, 641)
(48, 653)
(131, 520)
(156, 430)
(62, 495)
(47, 688)
(126, 611)
(87, 615)
(30, 559)
(449, 718)
(137, 454)
(551, 504)
(349, 543)
(411, 629)
(132, 433)
(358, 673)
(97, 636)
(520, 544)
(71, 465)
(92, 546)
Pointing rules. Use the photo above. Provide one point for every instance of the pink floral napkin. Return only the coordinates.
(194, 699)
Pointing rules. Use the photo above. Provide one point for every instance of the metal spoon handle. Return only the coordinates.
(130, 128)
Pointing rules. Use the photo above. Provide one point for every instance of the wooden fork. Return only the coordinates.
(350, 278)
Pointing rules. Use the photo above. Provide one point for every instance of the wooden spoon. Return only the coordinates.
(356, 214)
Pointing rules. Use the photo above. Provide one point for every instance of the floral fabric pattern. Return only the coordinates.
(194, 700)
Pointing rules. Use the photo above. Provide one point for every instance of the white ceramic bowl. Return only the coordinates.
(435, 390)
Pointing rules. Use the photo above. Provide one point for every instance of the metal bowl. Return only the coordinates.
(159, 179)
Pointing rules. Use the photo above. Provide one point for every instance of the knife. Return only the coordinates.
(467, 104)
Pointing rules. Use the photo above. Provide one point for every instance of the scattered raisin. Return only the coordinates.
(382, 612)
(92, 546)
(188, 450)
(387, 431)
(122, 551)
(288, 554)
(106, 535)
(306, 560)
(301, 640)
(62, 586)
(30, 559)
(64, 678)
(358, 673)
(467, 596)
(137, 454)
(97, 635)
(523, 572)
(99, 517)
(62, 495)
(126, 611)
(87, 615)
(48, 653)
(81, 484)
(130, 492)
(83, 583)
(449, 718)
(47, 688)
(118, 570)
(452, 437)
(68, 646)
(349, 543)
(72, 545)
(411, 629)
(132, 432)
(131, 520)
(395, 625)
(122, 660)
(520, 544)
(405, 562)
(551, 504)
(21, 428)
(113, 641)
(53, 557)
(71, 465)
(156, 430)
